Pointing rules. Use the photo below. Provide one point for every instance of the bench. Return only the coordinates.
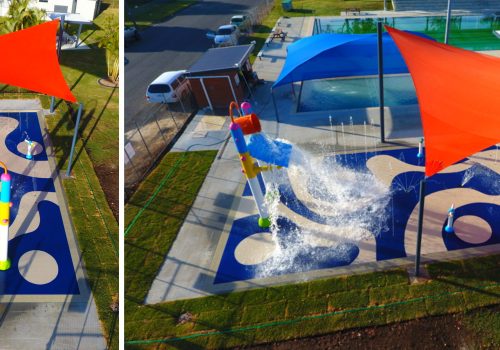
(279, 33)
(260, 54)
(353, 10)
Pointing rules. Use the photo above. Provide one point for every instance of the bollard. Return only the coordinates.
(420, 148)
(451, 216)
(30, 148)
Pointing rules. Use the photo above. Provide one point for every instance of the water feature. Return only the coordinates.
(347, 205)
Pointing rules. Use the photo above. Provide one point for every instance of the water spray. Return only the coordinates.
(451, 216)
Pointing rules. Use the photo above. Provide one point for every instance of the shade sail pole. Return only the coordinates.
(381, 80)
(59, 44)
(275, 106)
(75, 134)
(447, 29)
(420, 223)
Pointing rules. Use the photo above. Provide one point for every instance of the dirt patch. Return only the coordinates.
(440, 332)
(108, 177)
(108, 83)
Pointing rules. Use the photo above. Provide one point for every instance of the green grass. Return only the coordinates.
(151, 236)
(280, 313)
(154, 12)
(304, 8)
(99, 123)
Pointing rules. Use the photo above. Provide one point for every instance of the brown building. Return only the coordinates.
(220, 76)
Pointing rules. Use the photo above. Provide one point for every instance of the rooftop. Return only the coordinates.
(222, 58)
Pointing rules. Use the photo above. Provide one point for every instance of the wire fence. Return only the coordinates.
(147, 139)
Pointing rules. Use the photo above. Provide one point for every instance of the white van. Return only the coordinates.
(168, 87)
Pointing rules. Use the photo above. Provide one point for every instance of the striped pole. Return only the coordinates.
(251, 170)
(4, 219)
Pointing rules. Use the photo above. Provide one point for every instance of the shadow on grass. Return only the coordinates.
(86, 119)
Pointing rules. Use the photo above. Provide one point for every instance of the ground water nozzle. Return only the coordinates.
(451, 217)
(420, 153)
(30, 147)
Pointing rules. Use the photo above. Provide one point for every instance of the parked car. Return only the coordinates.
(243, 22)
(168, 87)
(131, 34)
(227, 35)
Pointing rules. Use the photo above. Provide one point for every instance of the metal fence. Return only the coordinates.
(148, 138)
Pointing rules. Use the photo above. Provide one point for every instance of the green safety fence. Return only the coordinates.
(300, 319)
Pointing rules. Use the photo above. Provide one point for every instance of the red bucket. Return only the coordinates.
(249, 124)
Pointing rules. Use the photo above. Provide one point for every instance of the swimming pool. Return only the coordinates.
(358, 92)
(467, 32)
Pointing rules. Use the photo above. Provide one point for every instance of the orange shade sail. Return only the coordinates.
(28, 59)
(459, 96)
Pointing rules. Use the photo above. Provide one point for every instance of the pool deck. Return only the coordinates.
(187, 275)
(43, 319)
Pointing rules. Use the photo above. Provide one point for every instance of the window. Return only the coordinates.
(159, 88)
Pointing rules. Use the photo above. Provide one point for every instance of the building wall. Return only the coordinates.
(218, 89)
(86, 8)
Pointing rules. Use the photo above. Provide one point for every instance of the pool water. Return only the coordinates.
(351, 93)
(467, 32)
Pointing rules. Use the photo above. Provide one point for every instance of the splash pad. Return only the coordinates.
(332, 210)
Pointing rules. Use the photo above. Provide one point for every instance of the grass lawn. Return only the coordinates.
(150, 236)
(154, 12)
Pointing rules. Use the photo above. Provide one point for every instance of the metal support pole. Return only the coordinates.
(59, 44)
(419, 229)
(385, 5)
(52, 104)
(206, 95)
(77, 43)
(275, 106)
(447, 29)
(73, 143)
(381, 80)
(61, 32)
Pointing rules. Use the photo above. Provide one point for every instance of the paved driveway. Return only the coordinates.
(174, 44)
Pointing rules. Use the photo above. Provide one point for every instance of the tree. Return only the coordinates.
(22, 16)
(111, 42)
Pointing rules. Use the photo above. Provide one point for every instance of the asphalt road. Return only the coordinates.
(172, 45)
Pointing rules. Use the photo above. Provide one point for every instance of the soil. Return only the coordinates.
(108, 177)
(440, 332)
(108, 83)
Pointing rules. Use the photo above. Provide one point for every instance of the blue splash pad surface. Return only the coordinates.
(50, 236)
(390, 243)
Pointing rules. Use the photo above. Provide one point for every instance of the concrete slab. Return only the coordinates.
(45, 299)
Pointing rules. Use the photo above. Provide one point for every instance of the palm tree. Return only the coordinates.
(111, 42)
(21, 16)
